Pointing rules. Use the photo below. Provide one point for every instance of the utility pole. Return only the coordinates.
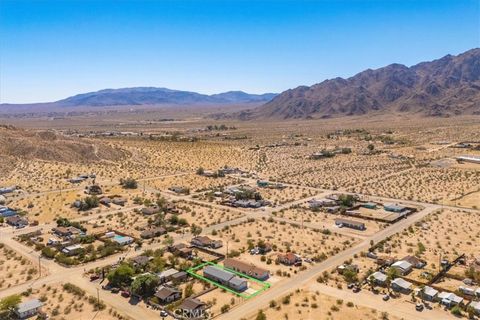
(98, 298)
(39, 267)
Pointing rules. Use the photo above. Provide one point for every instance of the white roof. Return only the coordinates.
(467, 290)
(167, 273)
(450, 296)
(402, 283)
(402, 264)
(29, 305)
(73, 247)
(429, 291)
(475, 305)
(379, 276)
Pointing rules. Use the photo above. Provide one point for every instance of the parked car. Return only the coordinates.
(386, 297)
(115, 290)
(350, 286)
(94, 277)
(356, 289)
(163, 313)
(419, 307)
(125, 294)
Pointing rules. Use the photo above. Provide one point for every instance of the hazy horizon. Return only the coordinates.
(51, 50)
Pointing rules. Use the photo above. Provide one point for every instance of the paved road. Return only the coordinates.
(251, 306)
(75, 275)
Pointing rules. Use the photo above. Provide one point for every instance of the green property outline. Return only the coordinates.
(192, 272)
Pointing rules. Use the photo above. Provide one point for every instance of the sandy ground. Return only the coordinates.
(16, 269)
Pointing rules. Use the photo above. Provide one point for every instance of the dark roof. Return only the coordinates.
(141, 260)
(191, 304)
(165, 292)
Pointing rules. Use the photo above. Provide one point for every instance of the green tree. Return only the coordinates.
(129, 183)
(10, 302)
(121, 275)
(261, 315)
(346, 200)
(195, 230)
(145, 284)
(350, 275)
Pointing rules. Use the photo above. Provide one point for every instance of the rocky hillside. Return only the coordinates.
(50, 146)
(443, 87)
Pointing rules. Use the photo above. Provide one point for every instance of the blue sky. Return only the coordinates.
(53, 49)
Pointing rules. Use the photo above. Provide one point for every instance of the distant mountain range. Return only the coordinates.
(155, 96)
(443, 87)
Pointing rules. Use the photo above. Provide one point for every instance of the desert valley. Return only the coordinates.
(352, 198)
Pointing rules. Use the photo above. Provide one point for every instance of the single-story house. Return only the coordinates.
(475, 305)
(53, 242)
(123, 240)
(28, 309)
(403, 267)
(289, 259)
(167, 294)
(350, 224)
(369, 205)
(193, 308)
(72, 250)
(428, 293)
(153, 232)
(7, 189)
(467, 291)
(179, 277)
(393, 207)
(178, 189)
(7, 212)
(141, 261)
(165, 275)
(65, 232)
(449, 299)
(415, 262)
(401, 285)
(317, 203)
(379, 278)
(246, 268)
(471, 159)
(204, 241)
(182, 250)
(16, 221)
(225, 278)
(333, 209)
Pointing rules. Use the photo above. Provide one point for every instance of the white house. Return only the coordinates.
(398, 284)
(28, 308)
(449, 299)
(428, 293)
(475, 306)
(467, 291)
(403, 267)
(379, 278)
